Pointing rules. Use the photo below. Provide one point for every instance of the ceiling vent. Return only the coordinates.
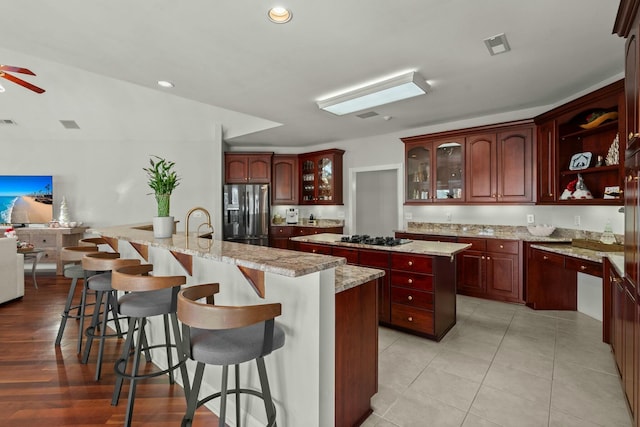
(7, 122)
(69, 124)
(497, 44)
(367, 114)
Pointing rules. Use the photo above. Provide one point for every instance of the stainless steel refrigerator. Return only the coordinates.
(246, 213)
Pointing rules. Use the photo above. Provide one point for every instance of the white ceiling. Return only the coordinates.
(227, 54)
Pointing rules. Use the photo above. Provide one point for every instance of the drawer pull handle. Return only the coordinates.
(410, 298)
(410, 281)
(410, 319)
(545, 257)
(410, 262)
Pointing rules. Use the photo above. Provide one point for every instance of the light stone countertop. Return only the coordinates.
(586, 254)
(350, 276)
(271, 260)
(415, 247)
(617, 260)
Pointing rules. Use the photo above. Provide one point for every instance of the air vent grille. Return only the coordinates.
(367, 114)
(69, 124)
(7, 122)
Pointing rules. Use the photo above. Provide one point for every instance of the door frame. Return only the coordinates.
(398, 167)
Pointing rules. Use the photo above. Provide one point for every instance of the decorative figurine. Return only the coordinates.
(613, 154)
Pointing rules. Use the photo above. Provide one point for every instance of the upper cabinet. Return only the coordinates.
(480, 165)
(321, 177)
(500, 165)
(574, 141)
(284, 179)
(247, 168)
(434, 170)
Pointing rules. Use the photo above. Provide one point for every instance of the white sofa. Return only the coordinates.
(11, 270)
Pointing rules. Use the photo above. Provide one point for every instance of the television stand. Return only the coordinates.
(51, 240)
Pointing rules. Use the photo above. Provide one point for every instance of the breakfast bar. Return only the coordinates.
(321, 377)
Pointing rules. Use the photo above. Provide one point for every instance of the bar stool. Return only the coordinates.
(147, 296)
(223, 336)
(101, 265)
(72, 256)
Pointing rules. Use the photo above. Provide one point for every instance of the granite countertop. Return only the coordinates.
(586, 254)
(498, 232)
(414, 247)
(320, 223)
(617, 260)
(350, 276)
(271, 260)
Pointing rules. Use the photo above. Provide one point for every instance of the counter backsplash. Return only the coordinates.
(503, 230)
(325, 222)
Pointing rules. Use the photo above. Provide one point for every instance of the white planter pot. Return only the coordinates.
(162, 227)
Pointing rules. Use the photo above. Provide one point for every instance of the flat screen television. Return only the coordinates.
(26, 199)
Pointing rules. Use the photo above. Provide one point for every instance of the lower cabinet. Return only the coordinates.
(621, 329)
(417, 293)
(491, 268)
(51, 240)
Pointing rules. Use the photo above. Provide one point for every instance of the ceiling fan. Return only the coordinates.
(6, 75)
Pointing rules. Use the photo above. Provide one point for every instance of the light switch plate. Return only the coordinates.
(530, 219)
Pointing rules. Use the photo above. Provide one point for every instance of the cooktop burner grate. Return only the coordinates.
(365, 239)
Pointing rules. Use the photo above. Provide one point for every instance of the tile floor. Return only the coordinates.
(501, 365)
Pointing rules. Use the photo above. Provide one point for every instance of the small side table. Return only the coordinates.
(33, 255)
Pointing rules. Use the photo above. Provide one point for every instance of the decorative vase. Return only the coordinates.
(163, 201)
(162, 227)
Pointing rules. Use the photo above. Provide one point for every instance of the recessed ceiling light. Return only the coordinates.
(279, 15)
(165, 83)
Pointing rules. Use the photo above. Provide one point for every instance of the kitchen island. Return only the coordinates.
(418, 293)
(322, 376)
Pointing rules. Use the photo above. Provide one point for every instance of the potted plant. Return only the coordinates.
(162, 180)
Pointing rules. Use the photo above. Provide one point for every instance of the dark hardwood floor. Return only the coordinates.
(44, 385)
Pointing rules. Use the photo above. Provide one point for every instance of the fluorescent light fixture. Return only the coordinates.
(383, 92)
(497, 44)
(1, 88)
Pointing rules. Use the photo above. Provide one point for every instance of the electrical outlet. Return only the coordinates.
(530, 219)
(340, 214)
(448, 216)
(408, 215)
(576, 220)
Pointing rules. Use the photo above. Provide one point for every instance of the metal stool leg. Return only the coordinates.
(192, 400)
(103, 333)
(91, 330)
(266, 393)
(67, 308)
(126, 349)
(134, 374)
(83, 309)
(223, 397)
(182, 355)
(167, 338)
(236, 371)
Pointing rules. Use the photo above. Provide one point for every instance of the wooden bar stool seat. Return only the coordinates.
(224, 336)
(99, 266)
(71, 256)
(146, 296)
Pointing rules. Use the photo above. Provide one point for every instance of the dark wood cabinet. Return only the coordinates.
(379, 260)
(500, 166)
(284, 180)
(247, 168)
(564, 132)
(550, 286)
(426, 237)
(321, 177)
(491, 268)
(279, 234)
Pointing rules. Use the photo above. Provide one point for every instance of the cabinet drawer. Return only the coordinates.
(412, 318)
(281, 231)
(378, 259)
(583, 266)
(502, 246)
(548, 257)
(476, 244)
(42, 241)
(412, 298)
(409, 262)
(314, 249)
(350, 254)
(412, 280)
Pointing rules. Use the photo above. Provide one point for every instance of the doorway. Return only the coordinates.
(375, 194)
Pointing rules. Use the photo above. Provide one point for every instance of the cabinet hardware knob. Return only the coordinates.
(583, 267)
(410, 281)
(410, 298)
(545, 257)
(501, 246)
(410, 319)
(482, 257)
(313, 250)
(488, 257)
(493, 195)
(410, 262)
(550, 194)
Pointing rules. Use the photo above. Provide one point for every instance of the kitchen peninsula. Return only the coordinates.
(321, 377)
(418, 293)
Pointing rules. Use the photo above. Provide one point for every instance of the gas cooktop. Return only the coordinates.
(365, 239)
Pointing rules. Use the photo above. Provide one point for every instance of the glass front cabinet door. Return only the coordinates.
(434, 171)
(321, 174)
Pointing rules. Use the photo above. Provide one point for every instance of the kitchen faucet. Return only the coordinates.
(208, 223)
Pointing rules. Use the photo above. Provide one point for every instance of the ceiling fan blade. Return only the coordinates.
(21, 82)
(17, 69)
